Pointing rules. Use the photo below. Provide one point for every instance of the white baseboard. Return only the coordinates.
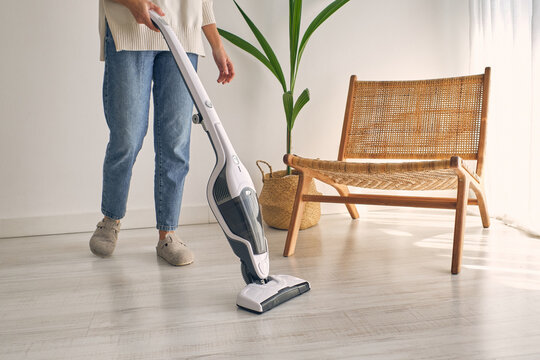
(72, 223)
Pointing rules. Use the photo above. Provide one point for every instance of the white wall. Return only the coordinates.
(53, 132)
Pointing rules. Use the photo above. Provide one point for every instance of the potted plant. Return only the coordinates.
(279, 187)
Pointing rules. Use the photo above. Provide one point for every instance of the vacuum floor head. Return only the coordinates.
(278, 289)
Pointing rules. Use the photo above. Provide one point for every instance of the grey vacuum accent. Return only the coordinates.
(284, 295)
(221, 190)
(233, 199)
(243, 217)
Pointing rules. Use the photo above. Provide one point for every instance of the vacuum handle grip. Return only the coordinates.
(156, 19)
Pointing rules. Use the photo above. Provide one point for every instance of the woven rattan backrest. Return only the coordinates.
(427, 119)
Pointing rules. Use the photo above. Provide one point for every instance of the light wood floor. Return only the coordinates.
(381, 289)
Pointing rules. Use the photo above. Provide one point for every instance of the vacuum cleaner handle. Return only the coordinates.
(207, 116)
(198, 93)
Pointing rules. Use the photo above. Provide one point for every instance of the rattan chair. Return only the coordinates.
(427, 128)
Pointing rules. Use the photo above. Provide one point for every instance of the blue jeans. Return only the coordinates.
(129, 78)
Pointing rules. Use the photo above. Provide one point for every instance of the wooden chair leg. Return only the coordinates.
(296, 216)
(459, 227)
(344, 191)
(482, 205)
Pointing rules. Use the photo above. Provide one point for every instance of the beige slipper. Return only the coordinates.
(174, 251)
(103, 241)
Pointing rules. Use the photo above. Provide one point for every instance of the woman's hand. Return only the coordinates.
(223, 62)
(140, 11)
(225, 66)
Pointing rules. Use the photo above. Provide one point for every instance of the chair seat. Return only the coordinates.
(410, 175)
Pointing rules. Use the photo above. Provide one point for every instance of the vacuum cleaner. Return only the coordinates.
(233, 199)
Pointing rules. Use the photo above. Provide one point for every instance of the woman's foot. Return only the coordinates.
(173, 250)
(103, 241)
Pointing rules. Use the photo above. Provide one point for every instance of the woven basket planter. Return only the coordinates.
(277, 199)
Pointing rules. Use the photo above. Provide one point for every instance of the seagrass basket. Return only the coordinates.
(277, 199)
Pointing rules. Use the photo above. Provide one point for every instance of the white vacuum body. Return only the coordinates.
(233, 199)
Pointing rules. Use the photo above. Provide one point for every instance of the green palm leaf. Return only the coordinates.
(291, 12)
(300, 103)
(266, 48)
(246, 46)
(288, 106)
(318, 21)
(295, 19)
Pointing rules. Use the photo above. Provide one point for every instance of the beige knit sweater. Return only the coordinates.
(186, 17)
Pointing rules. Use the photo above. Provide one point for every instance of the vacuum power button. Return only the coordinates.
(208, 104)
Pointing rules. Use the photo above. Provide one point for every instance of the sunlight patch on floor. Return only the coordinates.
(396, 232)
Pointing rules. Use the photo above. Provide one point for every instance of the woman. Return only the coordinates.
(137, 62)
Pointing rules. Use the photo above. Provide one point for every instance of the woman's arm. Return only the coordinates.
(223, 62)
(140, 10)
